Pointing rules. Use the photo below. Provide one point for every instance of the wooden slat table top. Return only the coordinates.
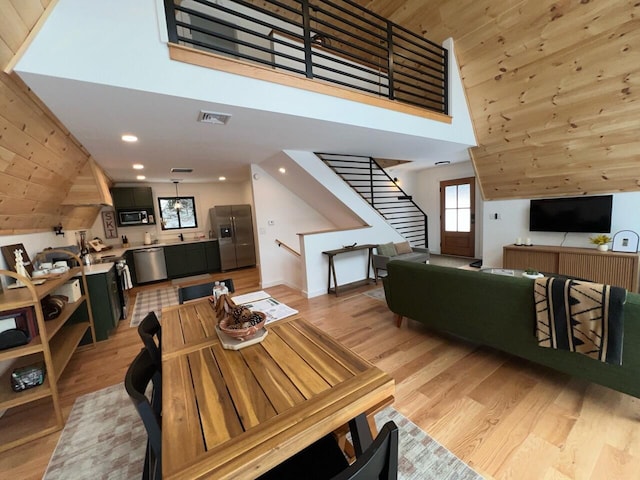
(188, 327)
(236, 414)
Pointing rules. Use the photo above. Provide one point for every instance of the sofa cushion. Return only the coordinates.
(413, 257)
(387, 249)
(403, 247)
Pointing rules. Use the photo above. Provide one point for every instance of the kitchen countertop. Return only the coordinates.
(97, 268)
(120, 251)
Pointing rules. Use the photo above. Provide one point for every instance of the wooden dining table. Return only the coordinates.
(238, 413)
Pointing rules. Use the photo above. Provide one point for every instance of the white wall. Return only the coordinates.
(514, 223)
(350, 267)
(425, 185)
(281, 215)
(206, 195)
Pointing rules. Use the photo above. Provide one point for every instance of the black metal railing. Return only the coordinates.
(384, 194)
(336, 41)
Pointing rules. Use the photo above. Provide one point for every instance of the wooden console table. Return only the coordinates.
(332, 268)
(612, 268)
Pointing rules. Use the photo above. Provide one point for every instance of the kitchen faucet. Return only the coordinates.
(181, 237)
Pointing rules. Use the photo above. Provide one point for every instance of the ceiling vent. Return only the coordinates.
(181, 170)
(216, 118)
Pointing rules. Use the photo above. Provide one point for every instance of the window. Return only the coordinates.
(172, 218)
(457, 208)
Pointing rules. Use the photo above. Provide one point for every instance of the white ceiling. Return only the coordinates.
(170, 136)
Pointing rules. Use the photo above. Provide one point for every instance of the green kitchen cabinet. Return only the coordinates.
(212, 255)
(174, 260)
(132, 197)
(105, 302)
(192, 259)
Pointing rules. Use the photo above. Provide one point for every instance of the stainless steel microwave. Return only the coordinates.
(133, 217)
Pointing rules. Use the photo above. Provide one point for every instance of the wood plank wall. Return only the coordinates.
(39, 159)
(553, 88)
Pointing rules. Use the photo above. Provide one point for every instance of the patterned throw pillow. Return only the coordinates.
(403, 247)
(387, 249)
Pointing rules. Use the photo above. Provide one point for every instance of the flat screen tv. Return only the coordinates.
(571, 214)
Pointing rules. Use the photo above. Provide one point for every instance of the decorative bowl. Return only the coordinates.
(243, 327)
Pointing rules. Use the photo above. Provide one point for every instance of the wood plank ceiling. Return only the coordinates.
(553, 88)
(39, 159)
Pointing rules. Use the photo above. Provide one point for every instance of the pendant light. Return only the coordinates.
(177, 205)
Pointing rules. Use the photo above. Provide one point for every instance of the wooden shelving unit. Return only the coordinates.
(58, 339)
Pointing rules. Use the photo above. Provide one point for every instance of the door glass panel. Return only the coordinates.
(450, 197)
(464, 196)
(464, 220)
(450, 220)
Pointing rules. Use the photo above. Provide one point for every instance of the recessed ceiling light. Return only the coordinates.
(222, 179)
(282, 170)
(127, 137)
(138, 166)
(141, 177)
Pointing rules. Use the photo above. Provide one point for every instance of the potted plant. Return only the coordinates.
(531, 273)
(602, 241)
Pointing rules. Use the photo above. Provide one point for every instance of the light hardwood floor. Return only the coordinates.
(507, 418)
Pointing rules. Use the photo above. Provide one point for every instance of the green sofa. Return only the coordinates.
(498, 311)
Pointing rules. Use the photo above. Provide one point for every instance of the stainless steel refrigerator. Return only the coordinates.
(233, 226)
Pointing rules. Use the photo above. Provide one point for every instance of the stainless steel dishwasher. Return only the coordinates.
(149, 264)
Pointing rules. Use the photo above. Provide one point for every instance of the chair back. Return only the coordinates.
(141, 372)
(195, 291)
(379, 460)
(151, 335)
(191, 292)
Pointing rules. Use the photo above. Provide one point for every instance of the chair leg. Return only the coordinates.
(360, 434)
(398, 318)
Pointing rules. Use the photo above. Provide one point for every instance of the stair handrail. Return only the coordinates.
(287, 247)
(407, 197)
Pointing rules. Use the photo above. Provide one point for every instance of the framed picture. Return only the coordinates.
(625, 241)
(10, 257)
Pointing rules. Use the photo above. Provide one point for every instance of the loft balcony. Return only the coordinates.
(335, 42)
(109, 68)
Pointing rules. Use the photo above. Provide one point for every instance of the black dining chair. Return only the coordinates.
(151, 334)
(324, 460)
(141, 372)
(191, 292)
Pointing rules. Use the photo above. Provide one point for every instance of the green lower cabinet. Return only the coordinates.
(105, 302)
(192, 259)
(174, 260)
(212, 254)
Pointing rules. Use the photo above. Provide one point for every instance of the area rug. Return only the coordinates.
(378, 294)
(105, 439)
(153, 300)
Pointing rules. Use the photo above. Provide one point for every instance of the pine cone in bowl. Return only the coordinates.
(245, 326)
